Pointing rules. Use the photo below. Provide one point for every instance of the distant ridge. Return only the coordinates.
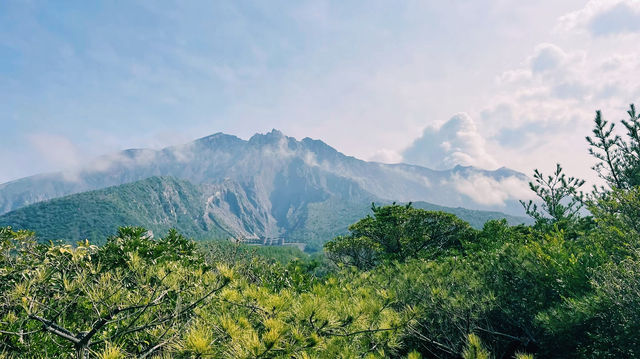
(207, 211)
(280, 176)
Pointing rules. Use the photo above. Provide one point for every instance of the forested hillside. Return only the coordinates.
(403, 282)
(205, 211)
(268, 167)
(157, 204)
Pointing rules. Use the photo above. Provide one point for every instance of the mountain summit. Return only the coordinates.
(272, 185)
(265, 159)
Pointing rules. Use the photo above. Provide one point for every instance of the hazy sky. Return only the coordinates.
(438, 83)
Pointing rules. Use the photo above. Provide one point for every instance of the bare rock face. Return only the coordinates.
(267, 164)
(270, 187)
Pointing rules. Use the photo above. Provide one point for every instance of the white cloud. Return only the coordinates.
(183, 153)
(558, 86)
(604, 18)
(547, 57)
(58, 151)
(129, 158)
(489, 191)
(542, 110)
(331, 79)
(456, 142)
(386, 155)
(310, 159)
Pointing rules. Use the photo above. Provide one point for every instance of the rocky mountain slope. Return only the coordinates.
(278, 169)
(303, 207)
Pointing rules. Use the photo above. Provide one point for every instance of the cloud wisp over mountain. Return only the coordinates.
(373, 82)
(456, 142)
(271, 160)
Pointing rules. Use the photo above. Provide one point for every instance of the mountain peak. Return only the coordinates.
(319, 147)
(276, 133)
(217, 136)
(266, 160)
(461, 168)
(218, 140)
(269, 137)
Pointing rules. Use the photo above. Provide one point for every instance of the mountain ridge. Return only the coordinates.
(215, 158)
(210, 211)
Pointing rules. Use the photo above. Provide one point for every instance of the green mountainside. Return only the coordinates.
(268, 189)
(156, 203)
(261, 166)
(303, 208)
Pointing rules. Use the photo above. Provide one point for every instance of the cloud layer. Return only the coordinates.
(491, 191)
(544, 108)
(456, 142)
(604, 18)
(374, 82)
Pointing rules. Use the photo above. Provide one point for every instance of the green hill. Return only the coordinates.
(156, 203)
(261, 164)
(297, 212)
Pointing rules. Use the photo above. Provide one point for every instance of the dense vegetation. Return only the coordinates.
(157, 203)
(404, 282)
(161, 203)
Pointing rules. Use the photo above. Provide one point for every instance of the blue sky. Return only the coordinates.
(437, 83)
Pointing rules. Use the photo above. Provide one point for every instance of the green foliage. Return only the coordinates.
(65, 299)
(475, 349)
(619, 158)
(613, 311)
(161, 203)
(362, 252)
(475, 218)
(617, 212)
(171, 248)
(398, 232)
(561, 201)
(157, 203)
(224, 249)
(137, 296)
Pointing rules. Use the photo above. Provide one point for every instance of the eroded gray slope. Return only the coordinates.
(260, 163)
